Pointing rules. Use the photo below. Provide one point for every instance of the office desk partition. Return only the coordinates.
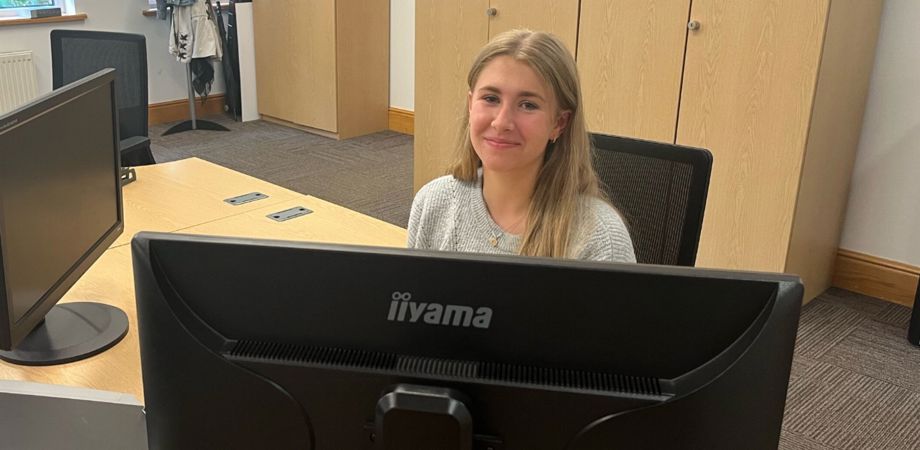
(188, 196)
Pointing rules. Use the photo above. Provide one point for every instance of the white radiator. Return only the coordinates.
(17, 80)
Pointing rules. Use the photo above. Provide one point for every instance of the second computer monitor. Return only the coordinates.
(60, 209)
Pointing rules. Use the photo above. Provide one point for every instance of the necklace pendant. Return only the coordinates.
(493, 240)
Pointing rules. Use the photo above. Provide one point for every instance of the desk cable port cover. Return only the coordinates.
(289, 213)
(245, 198)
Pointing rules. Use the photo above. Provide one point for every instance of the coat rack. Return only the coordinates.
(193, 124)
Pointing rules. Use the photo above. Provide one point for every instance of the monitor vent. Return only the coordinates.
(433, 366)
(311, 354)
(596, 381)
(470, 370)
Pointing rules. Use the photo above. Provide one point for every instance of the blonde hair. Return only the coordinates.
(567, 175)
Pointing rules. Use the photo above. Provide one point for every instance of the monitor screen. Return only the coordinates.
(272, 344)
(60, 198)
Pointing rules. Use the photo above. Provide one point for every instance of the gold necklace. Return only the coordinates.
(494, 238)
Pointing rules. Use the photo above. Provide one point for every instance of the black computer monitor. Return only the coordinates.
(269, 344)
(60, 208)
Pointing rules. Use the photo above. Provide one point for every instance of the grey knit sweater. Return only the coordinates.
(451, 215)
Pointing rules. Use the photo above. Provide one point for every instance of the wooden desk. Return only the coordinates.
(109, 280)
(200, 210)
(328, 223)
(170, 196)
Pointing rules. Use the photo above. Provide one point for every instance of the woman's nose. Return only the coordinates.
(504, 118)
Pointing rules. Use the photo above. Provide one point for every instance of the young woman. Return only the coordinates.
(523, 182)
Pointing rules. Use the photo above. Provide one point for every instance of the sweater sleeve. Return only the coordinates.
(605, 236)
(415, 218)
(428, 218)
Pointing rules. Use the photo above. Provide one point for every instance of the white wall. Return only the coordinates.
(166, 77)
(402, 54)
(883, 216)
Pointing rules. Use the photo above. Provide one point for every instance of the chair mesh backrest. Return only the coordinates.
(78, 53)
(661, 191)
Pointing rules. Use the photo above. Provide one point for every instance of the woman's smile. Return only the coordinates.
(501, 143)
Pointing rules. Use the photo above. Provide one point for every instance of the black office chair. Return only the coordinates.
(661, 190)
(78, 53)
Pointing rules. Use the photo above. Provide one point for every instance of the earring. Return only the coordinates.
(554, 139)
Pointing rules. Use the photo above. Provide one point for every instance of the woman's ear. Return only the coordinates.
(561, 122)
(469, 102)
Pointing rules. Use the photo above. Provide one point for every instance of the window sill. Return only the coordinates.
(79, 17)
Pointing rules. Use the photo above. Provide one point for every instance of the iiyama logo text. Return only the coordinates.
(403, 309)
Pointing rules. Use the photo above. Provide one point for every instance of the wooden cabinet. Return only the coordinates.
(757, 135)
(630, 55)
(323, 65)
(449, 34)
(775, 89)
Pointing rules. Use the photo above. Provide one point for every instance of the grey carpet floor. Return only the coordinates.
(370, 174)
(855, 380)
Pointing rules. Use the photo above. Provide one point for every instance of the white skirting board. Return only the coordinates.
(247, 58)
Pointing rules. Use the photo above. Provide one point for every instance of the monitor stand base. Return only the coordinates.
(70, 332)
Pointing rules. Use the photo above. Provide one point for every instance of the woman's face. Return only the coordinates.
(513, 114)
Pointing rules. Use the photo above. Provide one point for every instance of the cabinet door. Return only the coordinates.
(749, 80)
(295, 61)
(448, 35)
(630, 55)
(559, 17)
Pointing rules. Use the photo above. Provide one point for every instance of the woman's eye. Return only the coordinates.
(529, 106)
(490, 98)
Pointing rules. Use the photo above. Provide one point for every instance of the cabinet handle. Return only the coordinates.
(694, 25)
(491, 12)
